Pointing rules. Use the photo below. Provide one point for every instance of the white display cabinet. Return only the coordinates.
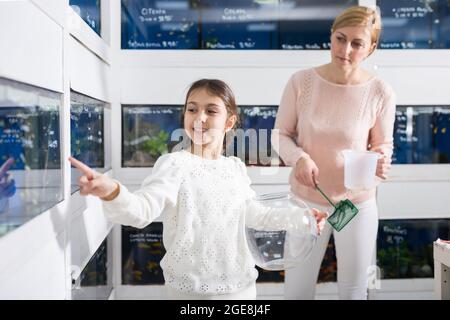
(56, 52)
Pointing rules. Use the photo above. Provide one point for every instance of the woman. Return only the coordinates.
(323, 111)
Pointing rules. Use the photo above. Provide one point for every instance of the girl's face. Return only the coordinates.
(350, 46)
(206, 119)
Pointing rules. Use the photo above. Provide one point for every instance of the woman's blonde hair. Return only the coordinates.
(360, 16)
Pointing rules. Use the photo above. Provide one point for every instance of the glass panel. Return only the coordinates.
(239, 24)
(328, 268)
(415, 24)
(404, 250)
(229, 24)
(95, 281)
(422, 141)
(402, 138)
(441, 131)
(30, 157)
(89, 11)
(405, 247)
(306, 24)
(421, 135)
(442, 24)
(160, 24)
(147, 133)
(280, 24)
(88, 120)
(142, 251)
(95, 274)
(269, 276)
(252, 140)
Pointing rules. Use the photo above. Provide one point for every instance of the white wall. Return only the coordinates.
(32, 51)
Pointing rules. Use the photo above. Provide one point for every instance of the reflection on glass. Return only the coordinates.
(147, 133)
(252, 141)
(415, 24)
(405, 247)
(89, 119)
(160, 24)
(306, 24)
(89, 11)
(95, 281)
(30, 159)
(95, 274)
(239, 24)
(142, 251)
(421, 135)
(422, 144)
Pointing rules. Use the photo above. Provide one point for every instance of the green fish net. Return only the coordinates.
(344, 211)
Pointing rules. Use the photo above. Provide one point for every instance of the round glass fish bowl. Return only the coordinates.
(283, 233)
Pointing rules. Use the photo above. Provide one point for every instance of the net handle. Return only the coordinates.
(323, 194)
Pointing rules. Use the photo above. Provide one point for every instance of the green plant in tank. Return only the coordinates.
(395, 260)
(157, 145)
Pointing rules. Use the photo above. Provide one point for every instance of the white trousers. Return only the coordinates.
(355, 245)
(248, 293)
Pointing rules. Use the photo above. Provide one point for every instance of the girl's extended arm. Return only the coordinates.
(140, 208)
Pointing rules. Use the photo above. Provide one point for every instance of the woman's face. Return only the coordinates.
(206, 119)
(350, 46)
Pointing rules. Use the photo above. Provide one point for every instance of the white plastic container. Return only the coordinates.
(280, 249)
(359, 169)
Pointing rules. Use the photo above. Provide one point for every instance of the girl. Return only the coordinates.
(205, 200)
(323, 111)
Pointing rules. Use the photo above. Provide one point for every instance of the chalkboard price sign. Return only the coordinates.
(415, 24)
(405, 247)
(142, 251)
(161, 24)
